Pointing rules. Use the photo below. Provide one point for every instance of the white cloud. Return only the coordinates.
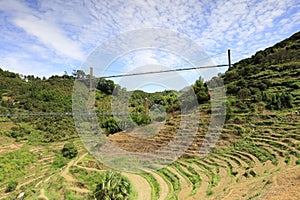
(21, 64)
(64, 32)
(43, 25)
(51, 36)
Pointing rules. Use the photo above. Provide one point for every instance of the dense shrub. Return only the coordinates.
(141, 119)
(110, 125)
(69, 150)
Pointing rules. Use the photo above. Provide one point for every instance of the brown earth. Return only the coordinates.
(284, 185)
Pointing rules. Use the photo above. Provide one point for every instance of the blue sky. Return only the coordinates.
(49, 37)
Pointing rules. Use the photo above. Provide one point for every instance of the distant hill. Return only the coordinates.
(185, 89)
(33, 95)
(269, 80)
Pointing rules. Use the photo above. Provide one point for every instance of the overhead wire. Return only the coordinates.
(111, 76)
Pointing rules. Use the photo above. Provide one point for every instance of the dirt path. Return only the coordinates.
(164, 188)
(86, 168)
(80, 158)
(42, 195)
(141, 186)
(71, 163)
(284, 184)
(66, 171)
(228, 162)
(64, 174)
(225, 180)
(275, 151)
(27, 182)
(79, 190)
(91, 169)
(275, 182)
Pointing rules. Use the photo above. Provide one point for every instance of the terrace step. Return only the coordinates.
(205, 181)
(164, 187)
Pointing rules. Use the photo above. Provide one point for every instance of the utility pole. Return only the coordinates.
(91, 78)
(146, 107)
(229, 59)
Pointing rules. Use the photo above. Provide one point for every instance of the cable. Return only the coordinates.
(110, 114)
(205, 58)
(162, 71)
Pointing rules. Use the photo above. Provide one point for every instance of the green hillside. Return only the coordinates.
(269, 79)
(257, 153)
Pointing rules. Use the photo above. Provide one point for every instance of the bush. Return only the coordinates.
(12, 185)
(112, 185)
(110, 125)
(69, 150)
(141, 119)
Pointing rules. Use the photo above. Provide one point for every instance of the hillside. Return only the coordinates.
(257, 155)
(268, 76)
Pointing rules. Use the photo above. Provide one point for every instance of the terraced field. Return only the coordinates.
(262, 154)
(259, 153)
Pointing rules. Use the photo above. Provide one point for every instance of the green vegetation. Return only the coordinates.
(247, 145)
(11, 186)
(69, 150)
(192, 175)
(12, 164)
(260, 135)
(91, 179)
(173, 180)
(106, 86)
(209, 192)
(155, 189)
(267, 80)
(59, 161)
(112, 186)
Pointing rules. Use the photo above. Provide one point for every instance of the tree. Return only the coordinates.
(106, 86)
(201, 90)
(79, 74)
(112, 186)
(69, 150)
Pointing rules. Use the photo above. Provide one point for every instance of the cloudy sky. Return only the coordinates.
(49, 37)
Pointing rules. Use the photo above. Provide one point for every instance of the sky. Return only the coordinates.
(44, 38)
